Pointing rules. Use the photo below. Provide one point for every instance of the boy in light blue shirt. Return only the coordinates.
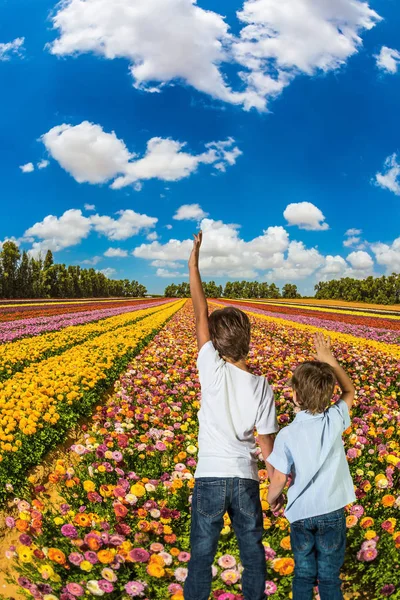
(311, 451)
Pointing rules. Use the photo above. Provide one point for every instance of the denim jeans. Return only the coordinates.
(212, 498)
(318, 545)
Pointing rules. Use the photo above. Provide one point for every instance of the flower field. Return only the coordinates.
(120, 527)
(49, 381)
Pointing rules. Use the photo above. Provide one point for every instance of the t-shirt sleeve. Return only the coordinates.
(342, 411)
(280, 457)
(209, 363)
(266, 418)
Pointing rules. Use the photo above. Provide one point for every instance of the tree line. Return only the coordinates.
(235, 289)
(378, 290)
(23, 276)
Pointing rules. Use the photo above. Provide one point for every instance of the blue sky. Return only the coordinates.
(290, 123)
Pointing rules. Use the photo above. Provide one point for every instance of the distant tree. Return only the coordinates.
(289, 290)
(9, 259)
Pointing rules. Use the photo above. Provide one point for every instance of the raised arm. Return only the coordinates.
(324, 354)
(197, 293)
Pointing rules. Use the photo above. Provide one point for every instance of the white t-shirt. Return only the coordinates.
(233, 403)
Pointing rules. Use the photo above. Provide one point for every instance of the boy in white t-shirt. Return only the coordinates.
(234, 403)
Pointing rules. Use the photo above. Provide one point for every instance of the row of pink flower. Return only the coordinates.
(13, 330)
(370, 333)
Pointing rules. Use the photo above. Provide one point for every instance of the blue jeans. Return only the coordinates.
(318, 545)
(212, 498)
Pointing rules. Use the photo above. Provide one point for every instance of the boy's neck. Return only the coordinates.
(240, 364)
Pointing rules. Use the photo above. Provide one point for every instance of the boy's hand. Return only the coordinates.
(323, 349)
(194, 256)
(278, 504)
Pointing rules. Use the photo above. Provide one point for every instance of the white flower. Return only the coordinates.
(93, 587)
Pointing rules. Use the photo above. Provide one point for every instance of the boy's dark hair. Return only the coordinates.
(314, 383)
(230, 332)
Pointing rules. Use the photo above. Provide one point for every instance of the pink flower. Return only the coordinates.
(357, 510)
(10, 522)
(227, 596)
(180, 573)
(161, 446)
(69, 531)
(227, 561)
(174, 588)
(269, 553)
(139, 555)
(75, 558)
(106, 586)
(352, 453)
(134, 588)
(75, 589)
(270, 588)
(230, 576)
(184, 557)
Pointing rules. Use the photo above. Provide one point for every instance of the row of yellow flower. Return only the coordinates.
(17, 355)
(325, 310)
(31, 399)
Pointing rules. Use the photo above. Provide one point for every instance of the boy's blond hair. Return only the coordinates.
(314, 383)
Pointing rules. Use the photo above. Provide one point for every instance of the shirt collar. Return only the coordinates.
(304, 415)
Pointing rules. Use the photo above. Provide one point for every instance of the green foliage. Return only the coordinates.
(27, 277)
(378, 290)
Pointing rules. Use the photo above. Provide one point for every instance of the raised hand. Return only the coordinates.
(323, 348)
(194, 256)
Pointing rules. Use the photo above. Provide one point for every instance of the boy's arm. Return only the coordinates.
(324, 354)
(276, 487)
(197, 293)
(266, 443)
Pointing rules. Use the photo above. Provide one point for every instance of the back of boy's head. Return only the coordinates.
(230, 332)
(314, 383)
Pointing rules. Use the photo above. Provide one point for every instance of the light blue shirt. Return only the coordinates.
(311, 450)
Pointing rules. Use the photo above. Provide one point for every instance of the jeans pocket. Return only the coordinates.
(300, 538)
(332, 534)
(249, 497)
(210, 497)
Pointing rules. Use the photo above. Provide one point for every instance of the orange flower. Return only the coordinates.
(56, 555)
(388, 500)
(351, 521)
(155, 570)
(82, 519)
(21, 525)
(285, 543)
(174, 551)
(366, 522)
(157, 560)
(105, 556)
(283, 566)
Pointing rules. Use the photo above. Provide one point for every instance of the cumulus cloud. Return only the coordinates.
(388, 255)
(128, 224)
(334, 267)
(152, 236)
(92, 261)
(353, 231)
(28, 168)
(388, 60)
(108, 272)
(89, 207)
(300, 262)
(189, 212)
(360, 260)
(170, 274)
(92, 155)
(390, 178)
(224, 253)
(167, 41)
(351, 241)
(306, 216)
(57, 233)
(9, 49)
(116, 253)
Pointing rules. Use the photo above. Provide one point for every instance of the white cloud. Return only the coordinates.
(91, 155)
(306, 216)
(360, 260)
(152, 236)
(28, 168)
(56, 233)
(166, 263)
(353, 231)
(92, 261)
(334, 267)
(109, 272)
(388, 255)
(301, 262)
(224, 253)
(166, 273)
(168, 40)
(43, 164)
(189, 212)
(351, 241)
(116, 253)
(128, 224)
(390, 178)
(9, 48)
(388, 59)
(168, 226)
(89, 207)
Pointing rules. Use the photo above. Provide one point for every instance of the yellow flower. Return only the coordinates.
(370, 534)
(138, 490)
(24, 554)
(86, 566)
